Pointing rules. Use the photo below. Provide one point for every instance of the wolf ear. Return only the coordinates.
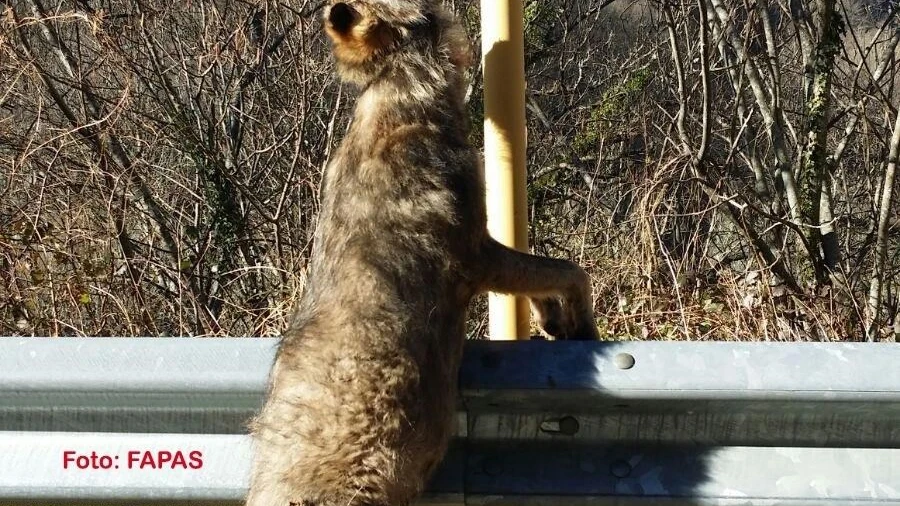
(342, 17)
(357, 33)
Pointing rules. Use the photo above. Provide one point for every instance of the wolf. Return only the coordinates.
(362, 393)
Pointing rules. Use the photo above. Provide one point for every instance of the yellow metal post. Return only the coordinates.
(503, 50)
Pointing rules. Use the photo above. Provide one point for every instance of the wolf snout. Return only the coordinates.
(342, 17)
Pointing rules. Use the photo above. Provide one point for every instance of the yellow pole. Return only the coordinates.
(503, 50)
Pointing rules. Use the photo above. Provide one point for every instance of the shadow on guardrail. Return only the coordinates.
(554, 420)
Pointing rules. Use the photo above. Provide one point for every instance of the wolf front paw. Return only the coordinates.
(564, 321)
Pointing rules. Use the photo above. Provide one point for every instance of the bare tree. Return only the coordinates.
(723, 169)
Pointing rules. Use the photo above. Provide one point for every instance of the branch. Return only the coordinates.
(873, 305)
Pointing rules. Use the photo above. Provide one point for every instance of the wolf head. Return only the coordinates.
(371, 36)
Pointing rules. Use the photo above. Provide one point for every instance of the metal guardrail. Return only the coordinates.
(539, 422)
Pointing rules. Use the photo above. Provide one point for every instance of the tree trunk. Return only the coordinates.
(813, 160)
(873, 307)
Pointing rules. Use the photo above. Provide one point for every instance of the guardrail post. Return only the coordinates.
(503, 50)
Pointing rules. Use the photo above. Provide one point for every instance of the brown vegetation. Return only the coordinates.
(723, 170)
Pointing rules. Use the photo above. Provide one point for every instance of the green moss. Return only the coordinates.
(538, 23)
(617, 103)
(471, 19)
(547, 181)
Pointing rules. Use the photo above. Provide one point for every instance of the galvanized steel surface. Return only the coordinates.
(543, 423)
(787, 474)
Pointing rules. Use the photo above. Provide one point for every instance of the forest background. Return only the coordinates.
(724, 170)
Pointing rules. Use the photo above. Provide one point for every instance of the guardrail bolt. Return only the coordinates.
(624, 360)
(566, 426)
(569, 425)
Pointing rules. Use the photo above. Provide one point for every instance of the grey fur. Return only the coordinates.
(363, 390)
